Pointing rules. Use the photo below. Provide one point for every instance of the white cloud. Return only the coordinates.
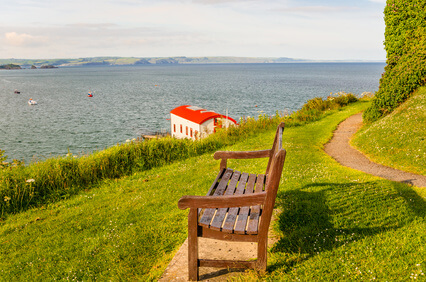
(23, 39)
(321, 10)
(212, 2)
(270, 28)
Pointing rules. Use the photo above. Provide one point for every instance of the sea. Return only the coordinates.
(129, 101)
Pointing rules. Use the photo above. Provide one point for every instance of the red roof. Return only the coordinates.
(196, 114)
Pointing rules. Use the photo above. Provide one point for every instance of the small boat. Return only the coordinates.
(32, 102)
(90, 94)
(17, 92)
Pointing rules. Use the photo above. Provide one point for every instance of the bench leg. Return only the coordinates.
(262, 250)
(193, 244)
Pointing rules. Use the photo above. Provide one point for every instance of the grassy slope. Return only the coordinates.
(398, 140)
(335, 223)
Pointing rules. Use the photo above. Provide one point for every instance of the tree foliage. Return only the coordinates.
(405, 45)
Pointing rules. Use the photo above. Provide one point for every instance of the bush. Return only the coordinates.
(3, 159)
(405, 44)
(313, 109)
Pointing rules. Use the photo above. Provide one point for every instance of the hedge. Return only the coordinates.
(405, 45)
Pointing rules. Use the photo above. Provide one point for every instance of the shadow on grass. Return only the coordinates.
(415, 202)
(306, 220)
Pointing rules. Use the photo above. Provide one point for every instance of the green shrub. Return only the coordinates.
(405, 44)
(313, 109)
(3, 159)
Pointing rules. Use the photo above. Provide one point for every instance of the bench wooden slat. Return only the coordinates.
(208, 214)
(227, 263)
(255, 211)
(216, 182)
(240, 226)
(218, 218)
(214, 185)
(231, 217)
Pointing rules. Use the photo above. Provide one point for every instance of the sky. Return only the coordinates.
(302, 29)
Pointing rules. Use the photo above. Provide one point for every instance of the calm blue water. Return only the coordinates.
(133, 100)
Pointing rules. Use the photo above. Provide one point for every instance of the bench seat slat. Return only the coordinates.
(220, 215)
(231, 217)
(214, 185)
(240, 226)
(216, 182)
(208, 214)
(255, 211)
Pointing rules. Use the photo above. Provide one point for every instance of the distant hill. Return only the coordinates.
(128, 61)
(111, 61)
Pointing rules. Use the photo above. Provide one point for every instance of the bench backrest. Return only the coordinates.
(273, 172)
(277, 145)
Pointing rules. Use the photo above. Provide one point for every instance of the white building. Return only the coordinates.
(194, 122)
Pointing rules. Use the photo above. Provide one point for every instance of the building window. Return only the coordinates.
(187, 130)
(174, 127)
(181, 128)
(191, 132)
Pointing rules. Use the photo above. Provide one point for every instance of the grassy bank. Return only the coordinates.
(23, 187)
(334, 223)
(399, 139)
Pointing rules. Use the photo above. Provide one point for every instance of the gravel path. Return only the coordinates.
(341, 151)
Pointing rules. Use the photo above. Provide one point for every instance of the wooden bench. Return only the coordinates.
(238, 207)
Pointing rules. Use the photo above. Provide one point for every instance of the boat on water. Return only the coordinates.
(32, 102)
(17, 92)
(90, 94)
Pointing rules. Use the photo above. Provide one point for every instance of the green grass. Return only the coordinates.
(333, 223)
(118, 231)
(399, 139)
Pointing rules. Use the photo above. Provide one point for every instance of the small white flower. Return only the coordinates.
(30, 180)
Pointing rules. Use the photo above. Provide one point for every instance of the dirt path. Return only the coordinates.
(341, 151)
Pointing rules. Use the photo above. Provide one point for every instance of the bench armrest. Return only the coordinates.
(221, 201)
(242, 155)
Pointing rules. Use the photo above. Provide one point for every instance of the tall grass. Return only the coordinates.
(22, 187)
